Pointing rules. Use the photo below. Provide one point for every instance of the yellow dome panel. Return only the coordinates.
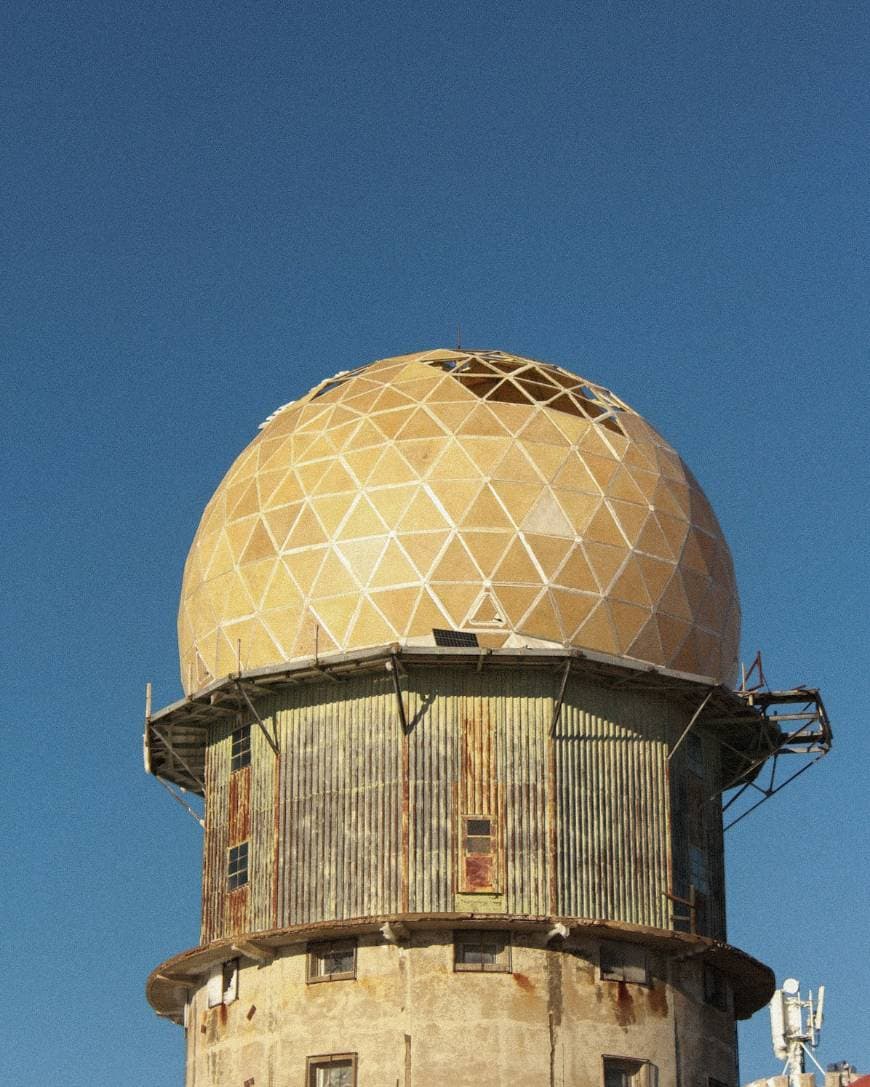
(477, 491)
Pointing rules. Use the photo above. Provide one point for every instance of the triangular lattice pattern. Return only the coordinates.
(465, 490)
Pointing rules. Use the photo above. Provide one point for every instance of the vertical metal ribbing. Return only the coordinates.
(610, 781)
(217, 765)
(262, 826)
(339, 833)
(712, 758)
(659, 806)
(431, 744)
(339, 841)
(522, 773)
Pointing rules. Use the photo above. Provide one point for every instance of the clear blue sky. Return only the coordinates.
(208, 207)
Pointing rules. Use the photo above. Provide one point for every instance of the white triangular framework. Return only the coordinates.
(485, 612)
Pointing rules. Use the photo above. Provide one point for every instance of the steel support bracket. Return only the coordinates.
(392, 666)
(180, 800)
(175, 753)
(272, 742)
(691, 723)
(557, 709)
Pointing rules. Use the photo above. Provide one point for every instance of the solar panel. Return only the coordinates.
(456, 638)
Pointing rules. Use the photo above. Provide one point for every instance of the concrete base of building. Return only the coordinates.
(460, 1001)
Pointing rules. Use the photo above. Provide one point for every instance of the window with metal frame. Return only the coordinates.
(478, 867)
(332, 961)
(240, 748)
(237, 866)
(331, 1070)
(629, 1072)
(623, 962)
(482, 951)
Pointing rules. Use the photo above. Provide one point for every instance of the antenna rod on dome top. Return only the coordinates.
(458, 337)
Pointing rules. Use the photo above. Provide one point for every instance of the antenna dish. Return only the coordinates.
(791, 986)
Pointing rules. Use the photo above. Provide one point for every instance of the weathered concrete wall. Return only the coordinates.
(413, 1021)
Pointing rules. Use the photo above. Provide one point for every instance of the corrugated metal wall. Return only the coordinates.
(264, 831)
(361, 820)
(697, 820)
(340, 805)
(522, 720)
(240, 807)
(611, 782)
(433, 771)
(214, 860)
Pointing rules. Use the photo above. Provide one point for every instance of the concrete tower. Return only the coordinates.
(457, 632)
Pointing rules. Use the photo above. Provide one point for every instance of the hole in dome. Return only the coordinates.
(479, 384)
(568, 404)
(507, 392)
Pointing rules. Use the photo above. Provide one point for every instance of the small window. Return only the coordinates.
(332, 1070)
(624, 962)
(335, 961)
(478, 836)
(237, 866)
(223, 983)
(482, 951)
(478, 868)
(716, 989)
(240, 750)
(627, 1072)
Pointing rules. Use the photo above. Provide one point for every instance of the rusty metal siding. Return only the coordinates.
(239, 806)
(522, 717)
(262, 832)
(340, 802)
(696, 820)
(354, 819)
(612, 806)
(215, 844)
(432, 774)
(715, 839)
(238, 830)
(478, 792)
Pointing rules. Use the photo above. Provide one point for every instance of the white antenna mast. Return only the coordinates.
(820, 1010)
(793, 1038)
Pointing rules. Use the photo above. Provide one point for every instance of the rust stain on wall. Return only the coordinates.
(239, 806)
(236, 910)
(657, 1000)
(479, 873)
(479, 796)
(524, 983)
(624, 1005)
